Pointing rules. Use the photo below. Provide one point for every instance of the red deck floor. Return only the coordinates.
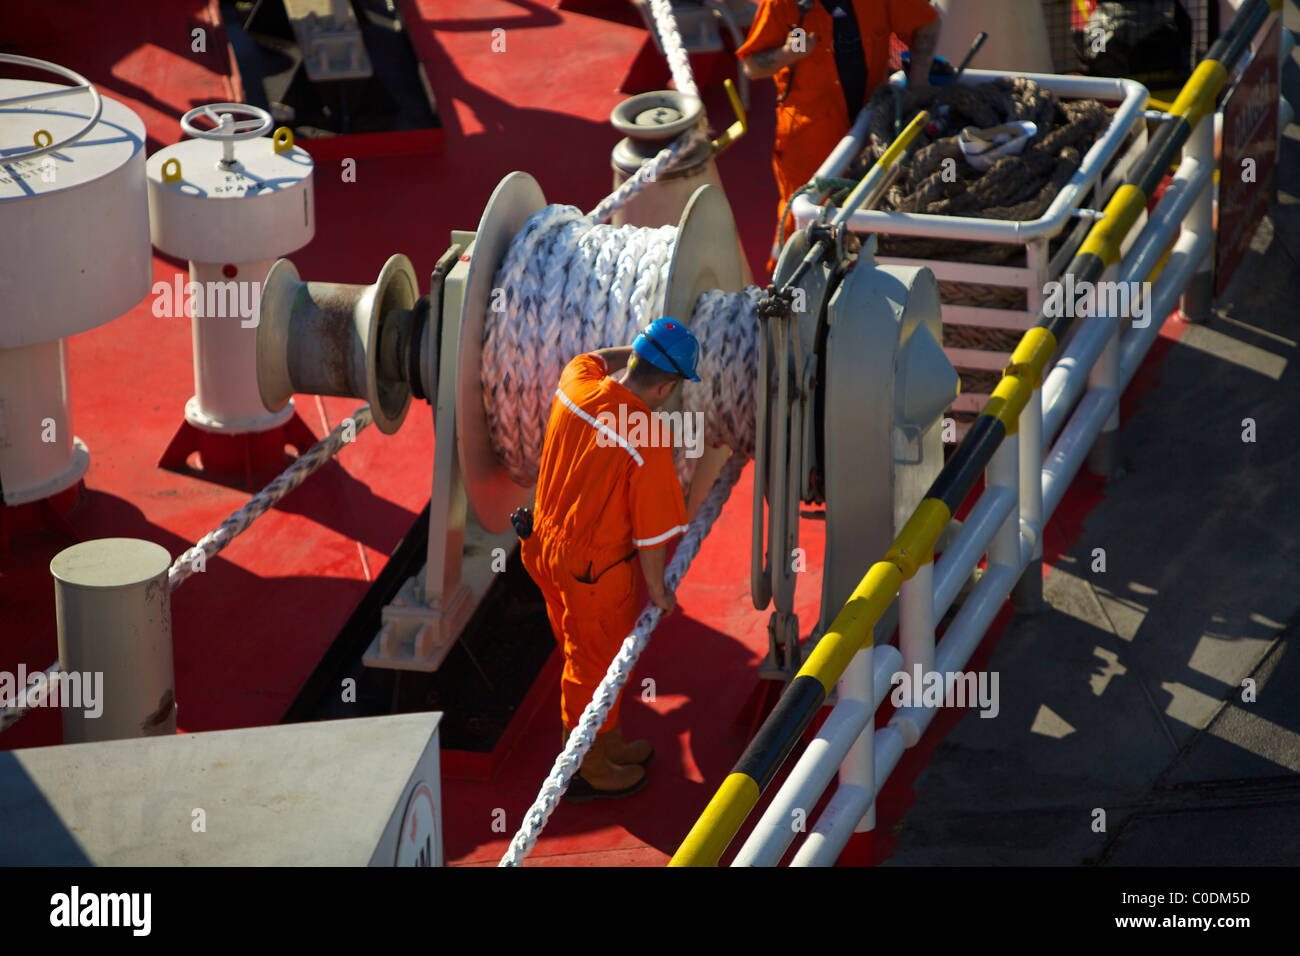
(250, 630)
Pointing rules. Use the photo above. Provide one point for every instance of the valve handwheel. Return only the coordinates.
(225, 128)
(82, 85)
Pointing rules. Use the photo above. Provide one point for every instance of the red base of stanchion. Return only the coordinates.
(246, 461)
(860, 850)
(47, 514)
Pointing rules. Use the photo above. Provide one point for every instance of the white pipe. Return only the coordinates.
(789, 810)
(967, 629)
(1191, 249)
(1031, 492)
(1071, 449)
(954, 566)
(1097, 405)
(1068, 378)
(858, 768)
(1104, 374)
(916, 620)
(1198, 296)
(226, 306)
(1004, 472)
(834, 827)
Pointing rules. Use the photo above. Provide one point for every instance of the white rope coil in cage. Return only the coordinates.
(569, 285)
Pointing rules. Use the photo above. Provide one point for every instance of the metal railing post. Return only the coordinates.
(1102, 456)
(859, 766)
(916, 621)
(1004, 472)
(1198, 298)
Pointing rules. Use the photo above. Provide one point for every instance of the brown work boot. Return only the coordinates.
(599, 777)
(629, 752)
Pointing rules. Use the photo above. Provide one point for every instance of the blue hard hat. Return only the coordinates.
(669, 346)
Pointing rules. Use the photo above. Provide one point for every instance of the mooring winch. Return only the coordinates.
(836, 397)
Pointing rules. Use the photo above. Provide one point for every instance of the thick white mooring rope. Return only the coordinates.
(620, 668)
(671, 39)
(293, 476)
(214, 541)
(569, 285)
(25, 698)
(652, 169)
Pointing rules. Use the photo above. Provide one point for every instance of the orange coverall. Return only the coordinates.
(814, 118)
(599, 500)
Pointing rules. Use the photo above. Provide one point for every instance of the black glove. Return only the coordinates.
(522, 519)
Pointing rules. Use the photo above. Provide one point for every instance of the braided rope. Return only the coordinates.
(25, 699)
(293, 476)
(214, 541)
(569, 285)
(620, 669)
(671, 39)
(652, 169)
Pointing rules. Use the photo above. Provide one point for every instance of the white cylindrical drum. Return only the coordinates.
(650, 122)
(231, 216)
(113, 606)
(226, 308)
(39, 456)
(74, 254)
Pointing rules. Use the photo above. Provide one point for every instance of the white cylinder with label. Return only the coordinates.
(231, 201)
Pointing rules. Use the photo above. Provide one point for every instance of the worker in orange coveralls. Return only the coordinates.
(607, 493)
(827, 57)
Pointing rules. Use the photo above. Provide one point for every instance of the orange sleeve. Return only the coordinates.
(771, 26)
(907, 16)
(655, 500)
(583, 369)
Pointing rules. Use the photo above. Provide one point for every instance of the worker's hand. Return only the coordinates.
(798, 45)
(665, 600)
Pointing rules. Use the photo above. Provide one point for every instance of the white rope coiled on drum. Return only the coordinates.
(620, 668)
(568, 286)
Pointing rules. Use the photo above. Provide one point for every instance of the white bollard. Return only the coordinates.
(113, 605)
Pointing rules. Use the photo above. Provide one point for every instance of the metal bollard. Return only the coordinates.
(113, 605)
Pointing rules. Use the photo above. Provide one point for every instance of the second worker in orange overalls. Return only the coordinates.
(827, 56)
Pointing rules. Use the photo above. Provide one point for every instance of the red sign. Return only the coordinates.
(1249, 157)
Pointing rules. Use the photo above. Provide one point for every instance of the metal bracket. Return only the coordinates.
(783, 658)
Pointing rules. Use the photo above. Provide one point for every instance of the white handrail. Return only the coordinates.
(1006, 521)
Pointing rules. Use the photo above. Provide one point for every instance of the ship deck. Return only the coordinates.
(250, 630)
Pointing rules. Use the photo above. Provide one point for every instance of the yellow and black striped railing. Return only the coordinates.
(851, 631)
